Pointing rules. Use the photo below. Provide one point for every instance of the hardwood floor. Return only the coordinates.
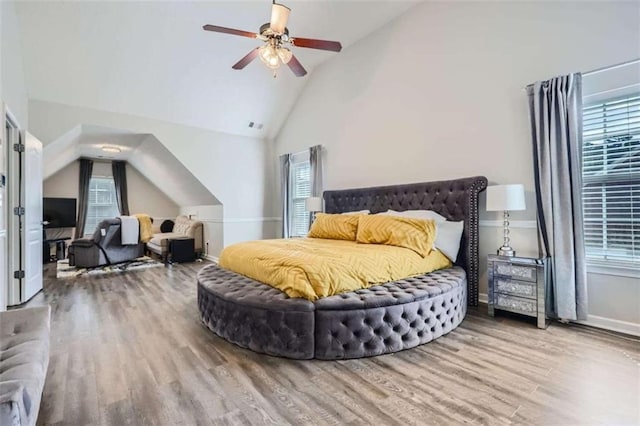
(129, 349)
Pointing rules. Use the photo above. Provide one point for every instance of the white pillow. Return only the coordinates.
(448, 236)
(417, 214)
(358, 212)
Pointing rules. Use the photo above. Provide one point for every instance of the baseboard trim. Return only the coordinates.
(611, 324)
(595, 321)
(211, 258)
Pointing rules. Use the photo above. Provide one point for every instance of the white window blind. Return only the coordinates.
(102, 202)
(300, 191)
(611, 181)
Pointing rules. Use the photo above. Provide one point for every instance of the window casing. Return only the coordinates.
(300, 191)
(102, 202)
(611, 182)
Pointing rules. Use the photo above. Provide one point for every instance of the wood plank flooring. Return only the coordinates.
(129, 349)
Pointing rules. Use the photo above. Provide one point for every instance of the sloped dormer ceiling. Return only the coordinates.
(142, 151)
(152, 59)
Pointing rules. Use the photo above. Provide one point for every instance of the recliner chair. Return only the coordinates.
(104, 248)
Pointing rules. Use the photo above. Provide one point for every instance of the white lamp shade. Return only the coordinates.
(313, 204)
(279, 17)
(505, 198)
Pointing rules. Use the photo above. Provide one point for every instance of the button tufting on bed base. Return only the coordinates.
(374, 321)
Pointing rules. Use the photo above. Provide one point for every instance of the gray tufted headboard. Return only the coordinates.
(454, 199)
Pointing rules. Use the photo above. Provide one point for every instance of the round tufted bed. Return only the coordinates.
(381, 319)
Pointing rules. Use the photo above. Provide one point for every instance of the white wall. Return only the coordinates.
(220, 232)
(212, 220)
(13, 90)
(438, 93)
(144, 196)
(233, 168)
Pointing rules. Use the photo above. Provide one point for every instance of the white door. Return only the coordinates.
(13, 164)
(32, 223)
(4, 291)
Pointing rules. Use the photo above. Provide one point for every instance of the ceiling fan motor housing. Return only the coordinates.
(266, 31)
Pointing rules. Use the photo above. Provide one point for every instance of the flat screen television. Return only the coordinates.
(59, 212)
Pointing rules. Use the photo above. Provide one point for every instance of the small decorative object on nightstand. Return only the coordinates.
(518, 284)
(505, 198)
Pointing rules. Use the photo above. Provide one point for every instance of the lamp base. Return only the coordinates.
(506, 251)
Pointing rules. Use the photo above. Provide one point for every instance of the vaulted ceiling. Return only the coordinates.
(142, 151)
(152, 59)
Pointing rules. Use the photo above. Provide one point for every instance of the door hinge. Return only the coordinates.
(18, 211)
(18, 147)
(18, 274)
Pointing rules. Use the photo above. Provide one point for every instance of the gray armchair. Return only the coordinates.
(104, 248)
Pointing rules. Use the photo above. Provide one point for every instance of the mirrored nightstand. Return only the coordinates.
(518, 285)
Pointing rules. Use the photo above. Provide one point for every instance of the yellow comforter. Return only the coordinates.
(313, 268)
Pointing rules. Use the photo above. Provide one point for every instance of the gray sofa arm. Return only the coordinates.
(84, 243)
(24, 334)
(15, 404)
(24, 320)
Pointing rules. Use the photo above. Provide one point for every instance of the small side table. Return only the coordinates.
(518, 285)
(181, 249)
(61, 249)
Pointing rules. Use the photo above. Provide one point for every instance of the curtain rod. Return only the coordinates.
(300, 152)
(599, 70)
(611, 67)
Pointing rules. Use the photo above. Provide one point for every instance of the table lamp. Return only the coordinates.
(313, 205)
(505, 198)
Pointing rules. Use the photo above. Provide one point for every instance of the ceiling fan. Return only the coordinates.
(275, 51)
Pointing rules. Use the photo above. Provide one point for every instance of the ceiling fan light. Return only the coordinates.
(267, 52)
(269, 56)
(285, 55)
(279, 18)
(273, 63)
(110, 148)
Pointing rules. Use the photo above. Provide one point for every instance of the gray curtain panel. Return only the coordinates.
(315, 164)
(555, 109)
(86, 169)
(285, 167)
(119, 169)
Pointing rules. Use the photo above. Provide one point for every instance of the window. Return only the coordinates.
(300, 191)
(611, 181)
(102, 202)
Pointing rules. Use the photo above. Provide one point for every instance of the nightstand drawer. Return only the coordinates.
(521, 272)
(516, 304)
(515, 288)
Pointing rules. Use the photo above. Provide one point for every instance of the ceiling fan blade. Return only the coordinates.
(296, 67)
(246, 60)
(279, 18)
(231, 31)
(311, 43)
